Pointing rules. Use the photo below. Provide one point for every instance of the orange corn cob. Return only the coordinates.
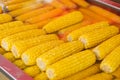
(111, 16)
(81, 3)
(25, 9)
(50, 14)
(34, 13)
(9, 2)
(19, 5)
(69, 4)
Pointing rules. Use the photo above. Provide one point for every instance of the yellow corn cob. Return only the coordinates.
(12, 31)
(19, 5)
(74, 35)
(9, 2)
(93, 38)
(5, 18)
(41, 76)
(32, 70)
(100, 76)
(112, 61)
(29, 56)
(106, 47)
(63, 21)
(85, 73)
(10, 25)
(117, 79)
(70, 65)
(116, 73)
(8, 41)
(20, 64)
(20, 46)
(2, 51)
(9, 56)
(34, 13)
(58, 53)
(0, 9)
(25, 9)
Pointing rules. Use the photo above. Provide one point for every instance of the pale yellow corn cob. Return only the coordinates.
(20, 5)
(85, 73)
(7, 42)
(2, 51)
(58, 53)
(116, 73)
(100, 76)
(23, 10)
(12, 31)
(9, 56)
(112, 61)
(71, 65)
(74, 35)
(106, 47)
(5, 18)
(20, 46)
(93, 38)
(32, 70)
(63, 21)
(29, 56)
(20, 64)
(9, 25)
(41, 76)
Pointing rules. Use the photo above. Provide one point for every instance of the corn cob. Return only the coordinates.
(81, 3)
(20, 64)
(10, 25)
(25, 9)
(9, 2)
(111, 16)
(117, 79)
(106, 47)
(100, 76)
(9, 56)
(111, 62)
(5, 18)
(20, 46)
(85, 73)
(69, 4)
(63, 21)
(70, 65)
(93, 38)
(0, 9)
(29, 56)
(34, 13)
(12, 31)
(19, 5)
(74, 35)
(41, 76)
(58, 53)
(32, 70)
(51, 14)
(2, 51)
(116, 73)
(8, 41)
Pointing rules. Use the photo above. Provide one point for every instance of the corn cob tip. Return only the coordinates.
(4, 45)
(69, 38)
(106, 68)
(15, 51)
(25, 58)
(50, 73)
(96, 51)
(41, 64)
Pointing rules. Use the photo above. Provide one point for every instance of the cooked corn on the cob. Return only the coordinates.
(9, 56)
(63, 21)
(41, 76)
(93, 38)
(74, 35)
(5, 18)
(8, 41)
(20, 64)
(20, 46)
(111, 62)
(58, 53)
(29, 56)
(32, 71)
(2, 51)
(70, 65)
(85, 73)
(106, 47)
(116, 73)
